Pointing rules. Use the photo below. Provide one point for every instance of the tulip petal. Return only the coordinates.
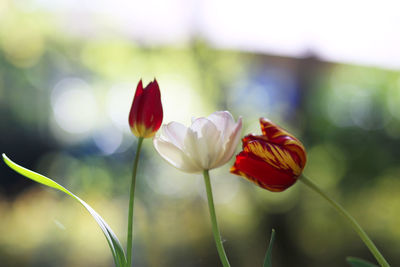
(274, 155)
(275, 134)
(262, 174)
(224, 122)
(175, 156)
(203, 142)
(201, 125)
(191, 149)
(135, 105)
(175, 133)
(152, 112)
(230, 145)
(213, 141)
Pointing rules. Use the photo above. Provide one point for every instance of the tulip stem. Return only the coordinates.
(363, 235)
(131, 202)
(215, 229)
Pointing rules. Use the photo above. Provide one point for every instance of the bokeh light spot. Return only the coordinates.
(108, 140)
(74, 106)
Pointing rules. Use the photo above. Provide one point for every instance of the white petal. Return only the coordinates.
(203, 142)
(231, 145)
(212, 140)
(198, 124)
(175, 133)
(174, 156)
(224, 122)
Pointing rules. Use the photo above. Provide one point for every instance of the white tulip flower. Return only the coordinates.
(207, 144)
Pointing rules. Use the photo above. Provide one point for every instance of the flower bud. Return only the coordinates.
(146, 113)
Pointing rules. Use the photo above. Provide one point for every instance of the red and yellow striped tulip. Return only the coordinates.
(273, 160)
(146, 113)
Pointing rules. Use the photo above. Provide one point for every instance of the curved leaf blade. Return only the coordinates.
(357, 262)
(115, 246)
(268, 255)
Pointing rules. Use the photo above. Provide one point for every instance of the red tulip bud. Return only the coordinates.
(146, 112)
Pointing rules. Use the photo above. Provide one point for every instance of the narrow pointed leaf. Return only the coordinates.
(113, 242)
(357, 262)
(268, 255)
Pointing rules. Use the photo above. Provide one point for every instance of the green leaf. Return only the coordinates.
(357, 262)
(268, 256)
(115, 245)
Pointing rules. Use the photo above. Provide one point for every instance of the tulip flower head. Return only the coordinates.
(146, 113)
(273, 160)
(207, 144)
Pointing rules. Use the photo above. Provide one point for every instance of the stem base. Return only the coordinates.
(215, 229)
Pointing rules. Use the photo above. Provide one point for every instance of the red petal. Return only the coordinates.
(272, 133)
(152, 112)
(261, 173)
(136, 105)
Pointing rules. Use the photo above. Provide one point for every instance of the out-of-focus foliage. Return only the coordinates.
(356, 262)
(64, 103)
(268, 255)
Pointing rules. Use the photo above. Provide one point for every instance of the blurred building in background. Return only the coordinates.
(328, 72)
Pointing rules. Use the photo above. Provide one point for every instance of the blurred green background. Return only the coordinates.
(66, 86)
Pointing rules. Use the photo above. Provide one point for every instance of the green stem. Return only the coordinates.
(217, 235)
(131, 202)
(363, 235)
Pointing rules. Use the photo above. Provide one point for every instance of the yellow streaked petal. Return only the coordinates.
(274, 155)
